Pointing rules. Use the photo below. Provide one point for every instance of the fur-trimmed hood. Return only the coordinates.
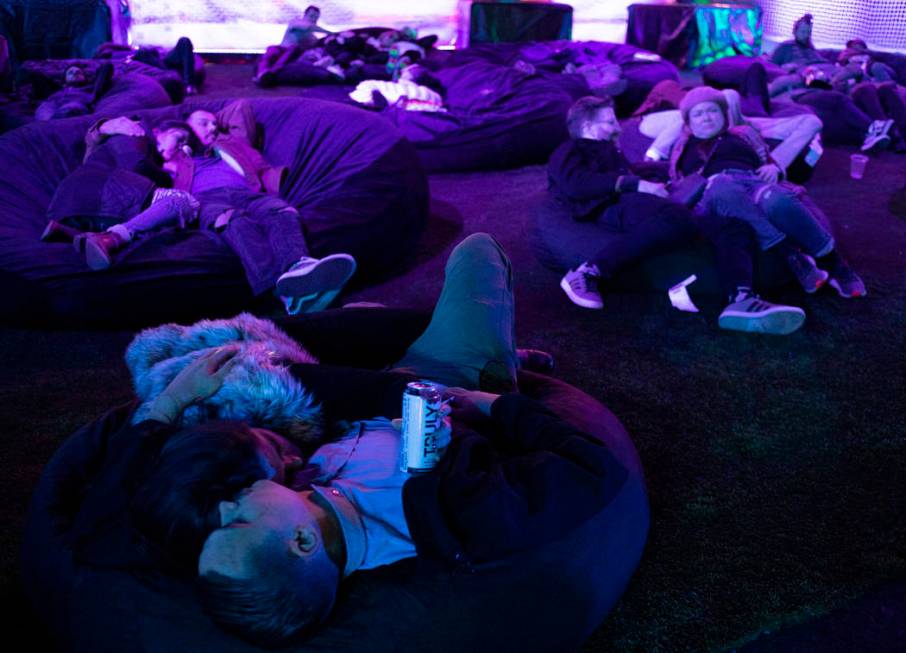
(259, 388)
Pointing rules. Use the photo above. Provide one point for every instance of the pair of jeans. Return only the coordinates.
(774, 211)
(264, 232)
(880, 102)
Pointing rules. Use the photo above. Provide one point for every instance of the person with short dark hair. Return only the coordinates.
(238, 191)
(78, 96)
(593, 179)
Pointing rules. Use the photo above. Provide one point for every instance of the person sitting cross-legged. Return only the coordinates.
(594, 180)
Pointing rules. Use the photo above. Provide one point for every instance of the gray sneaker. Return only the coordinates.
(316, 275)
(581, 286)
(754, 315)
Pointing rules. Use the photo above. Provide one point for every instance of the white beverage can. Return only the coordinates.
(421, 421)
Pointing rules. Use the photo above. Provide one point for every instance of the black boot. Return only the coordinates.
(57, 232)
(100, 248)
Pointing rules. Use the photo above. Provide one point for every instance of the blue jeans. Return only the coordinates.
(265, 232)
(774, 211)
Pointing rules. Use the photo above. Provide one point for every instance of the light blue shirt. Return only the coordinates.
(361, 480)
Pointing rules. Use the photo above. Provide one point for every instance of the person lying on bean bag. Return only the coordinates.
(592, 178)
(514, 476)
(745, 183)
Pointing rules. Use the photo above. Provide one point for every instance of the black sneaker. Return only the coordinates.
(809, 275)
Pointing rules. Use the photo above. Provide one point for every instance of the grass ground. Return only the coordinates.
(774, 464)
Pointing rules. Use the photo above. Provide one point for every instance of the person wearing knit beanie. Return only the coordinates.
(701, 94)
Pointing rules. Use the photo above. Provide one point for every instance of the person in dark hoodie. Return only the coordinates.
(272, 557)
(122, 189)
(592, 178)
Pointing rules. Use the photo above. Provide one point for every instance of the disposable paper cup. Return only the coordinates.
(857, 163)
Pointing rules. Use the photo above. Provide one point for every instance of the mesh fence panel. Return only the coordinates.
(881, 23)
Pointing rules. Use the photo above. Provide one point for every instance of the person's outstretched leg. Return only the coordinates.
(844, 122)
(734, 245)
(470, 341)
(894, 106)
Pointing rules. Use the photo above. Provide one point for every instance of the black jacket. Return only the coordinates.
(114, 183)
(588, 176)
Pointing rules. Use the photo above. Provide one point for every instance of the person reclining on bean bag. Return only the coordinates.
(122, 186)
(237, 192)
(180, 58)
(811, 82)
(77, 97)
(298, 38)
(795, 133)
(508, 457)
(744, 183)
(595, 181)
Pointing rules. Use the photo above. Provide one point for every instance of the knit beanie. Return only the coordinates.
(701, 94)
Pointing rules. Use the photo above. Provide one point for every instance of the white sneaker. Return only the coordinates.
(316, 275)
(581, 286)
(877, 136)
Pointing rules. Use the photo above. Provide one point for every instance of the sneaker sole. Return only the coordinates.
(578, 301)
(96, 257)
(777, 321)
(331, 273)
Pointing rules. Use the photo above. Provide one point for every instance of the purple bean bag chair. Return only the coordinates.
(552, 56)
(356, 182)
(549, 598)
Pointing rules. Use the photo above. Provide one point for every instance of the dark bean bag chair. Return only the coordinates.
(561, 244)
(546, 599)
(497, 117)
(640, 74)
(51, 71)
(729, 71)
(356, 182)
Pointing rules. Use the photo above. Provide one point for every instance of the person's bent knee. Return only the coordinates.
(476, 245)
(811, 123)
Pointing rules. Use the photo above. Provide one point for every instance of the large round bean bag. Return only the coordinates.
(729, 71)
(356, 182)
(638, 69)
(497, 117)
(561, 243)
(545, 599)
